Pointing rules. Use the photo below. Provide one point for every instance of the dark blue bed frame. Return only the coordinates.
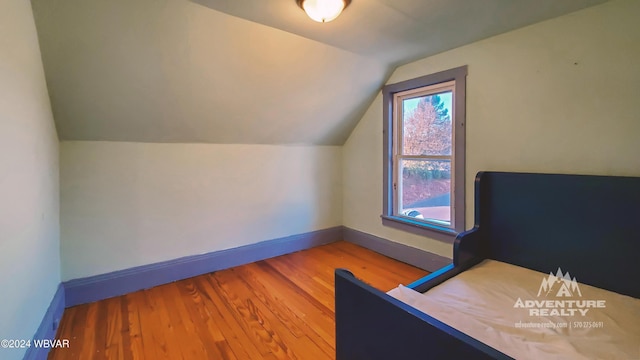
(588, 225)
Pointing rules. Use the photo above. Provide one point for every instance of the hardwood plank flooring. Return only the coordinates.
(279, 308)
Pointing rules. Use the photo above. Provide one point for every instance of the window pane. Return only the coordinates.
(427, 125)
(426, 190)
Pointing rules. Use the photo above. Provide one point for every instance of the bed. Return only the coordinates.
(541, 225)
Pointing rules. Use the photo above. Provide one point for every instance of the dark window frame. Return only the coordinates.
(459, 75)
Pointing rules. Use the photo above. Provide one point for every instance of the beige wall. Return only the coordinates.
(29, 202)
(130, 204)
(558, 96)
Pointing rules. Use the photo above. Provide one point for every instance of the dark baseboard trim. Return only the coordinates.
(104, 286)
(410, 255)
(48, 326)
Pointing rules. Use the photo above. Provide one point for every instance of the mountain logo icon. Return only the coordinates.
(560, 285)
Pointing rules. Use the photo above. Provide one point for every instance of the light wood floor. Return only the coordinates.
(280, 308)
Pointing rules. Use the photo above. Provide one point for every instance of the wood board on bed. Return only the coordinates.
(582, 223)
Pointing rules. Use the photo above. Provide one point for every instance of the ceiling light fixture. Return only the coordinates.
(323, 10)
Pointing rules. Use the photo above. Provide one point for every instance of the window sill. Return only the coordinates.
(419, 228)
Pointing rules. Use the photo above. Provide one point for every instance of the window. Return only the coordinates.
(424, 147)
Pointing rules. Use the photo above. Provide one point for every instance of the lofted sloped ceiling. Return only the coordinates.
(245, 71)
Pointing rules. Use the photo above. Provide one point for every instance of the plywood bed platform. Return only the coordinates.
(585, 225)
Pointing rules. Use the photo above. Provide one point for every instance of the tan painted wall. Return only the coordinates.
(131, 204)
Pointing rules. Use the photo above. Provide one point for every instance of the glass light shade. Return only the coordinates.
(323, 10)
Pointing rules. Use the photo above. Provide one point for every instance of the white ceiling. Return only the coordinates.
(245, 71)
(396, 32)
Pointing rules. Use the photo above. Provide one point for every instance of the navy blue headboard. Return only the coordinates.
(587, 225)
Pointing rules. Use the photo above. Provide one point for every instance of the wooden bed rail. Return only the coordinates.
(371, 325)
